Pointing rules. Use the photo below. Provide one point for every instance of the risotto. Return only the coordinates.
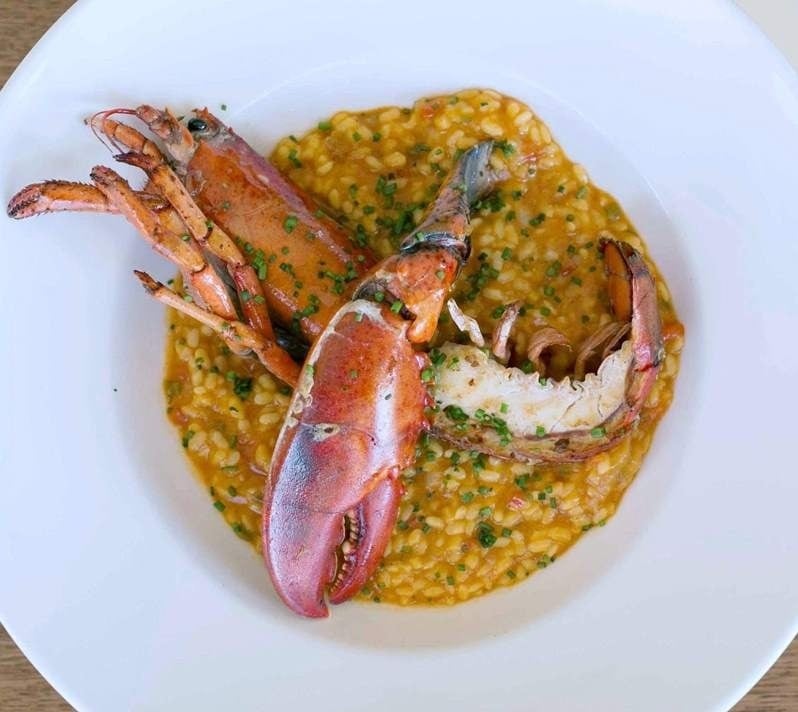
(468, 522)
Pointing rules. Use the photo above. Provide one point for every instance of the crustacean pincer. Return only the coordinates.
(354, 419)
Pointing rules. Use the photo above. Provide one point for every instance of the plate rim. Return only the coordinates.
(24, 75)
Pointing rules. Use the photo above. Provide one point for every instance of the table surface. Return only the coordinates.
(22, 22)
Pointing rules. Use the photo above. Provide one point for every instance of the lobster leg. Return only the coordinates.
(144, 154)
(147, 156)
(238, 335)
(122, 136)
(178, 140)
(210, 236)
(54, 196)
(185, 253)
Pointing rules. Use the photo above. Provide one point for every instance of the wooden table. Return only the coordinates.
(22, 22)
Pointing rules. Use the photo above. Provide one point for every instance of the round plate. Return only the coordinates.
(123, 585)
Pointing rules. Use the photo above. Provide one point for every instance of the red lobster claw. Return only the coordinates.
(351, 428)
(358, 410)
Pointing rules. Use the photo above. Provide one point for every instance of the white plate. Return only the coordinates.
(120, 581)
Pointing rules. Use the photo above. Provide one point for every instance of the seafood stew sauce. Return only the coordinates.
(467, 522)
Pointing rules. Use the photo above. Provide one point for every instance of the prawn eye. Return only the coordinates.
(196, 124)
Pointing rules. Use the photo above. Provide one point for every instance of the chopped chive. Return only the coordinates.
(241, 531)
(325, 126)
(505, 147)
(455, 413)
(290, 223)
(527, 366)
(485, 535)
(292, 156)
(553, 269)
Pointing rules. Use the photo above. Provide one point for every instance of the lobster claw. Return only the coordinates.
(358, 410)
(334, 486)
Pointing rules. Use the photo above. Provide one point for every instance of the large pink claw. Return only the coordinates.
(334, 488)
